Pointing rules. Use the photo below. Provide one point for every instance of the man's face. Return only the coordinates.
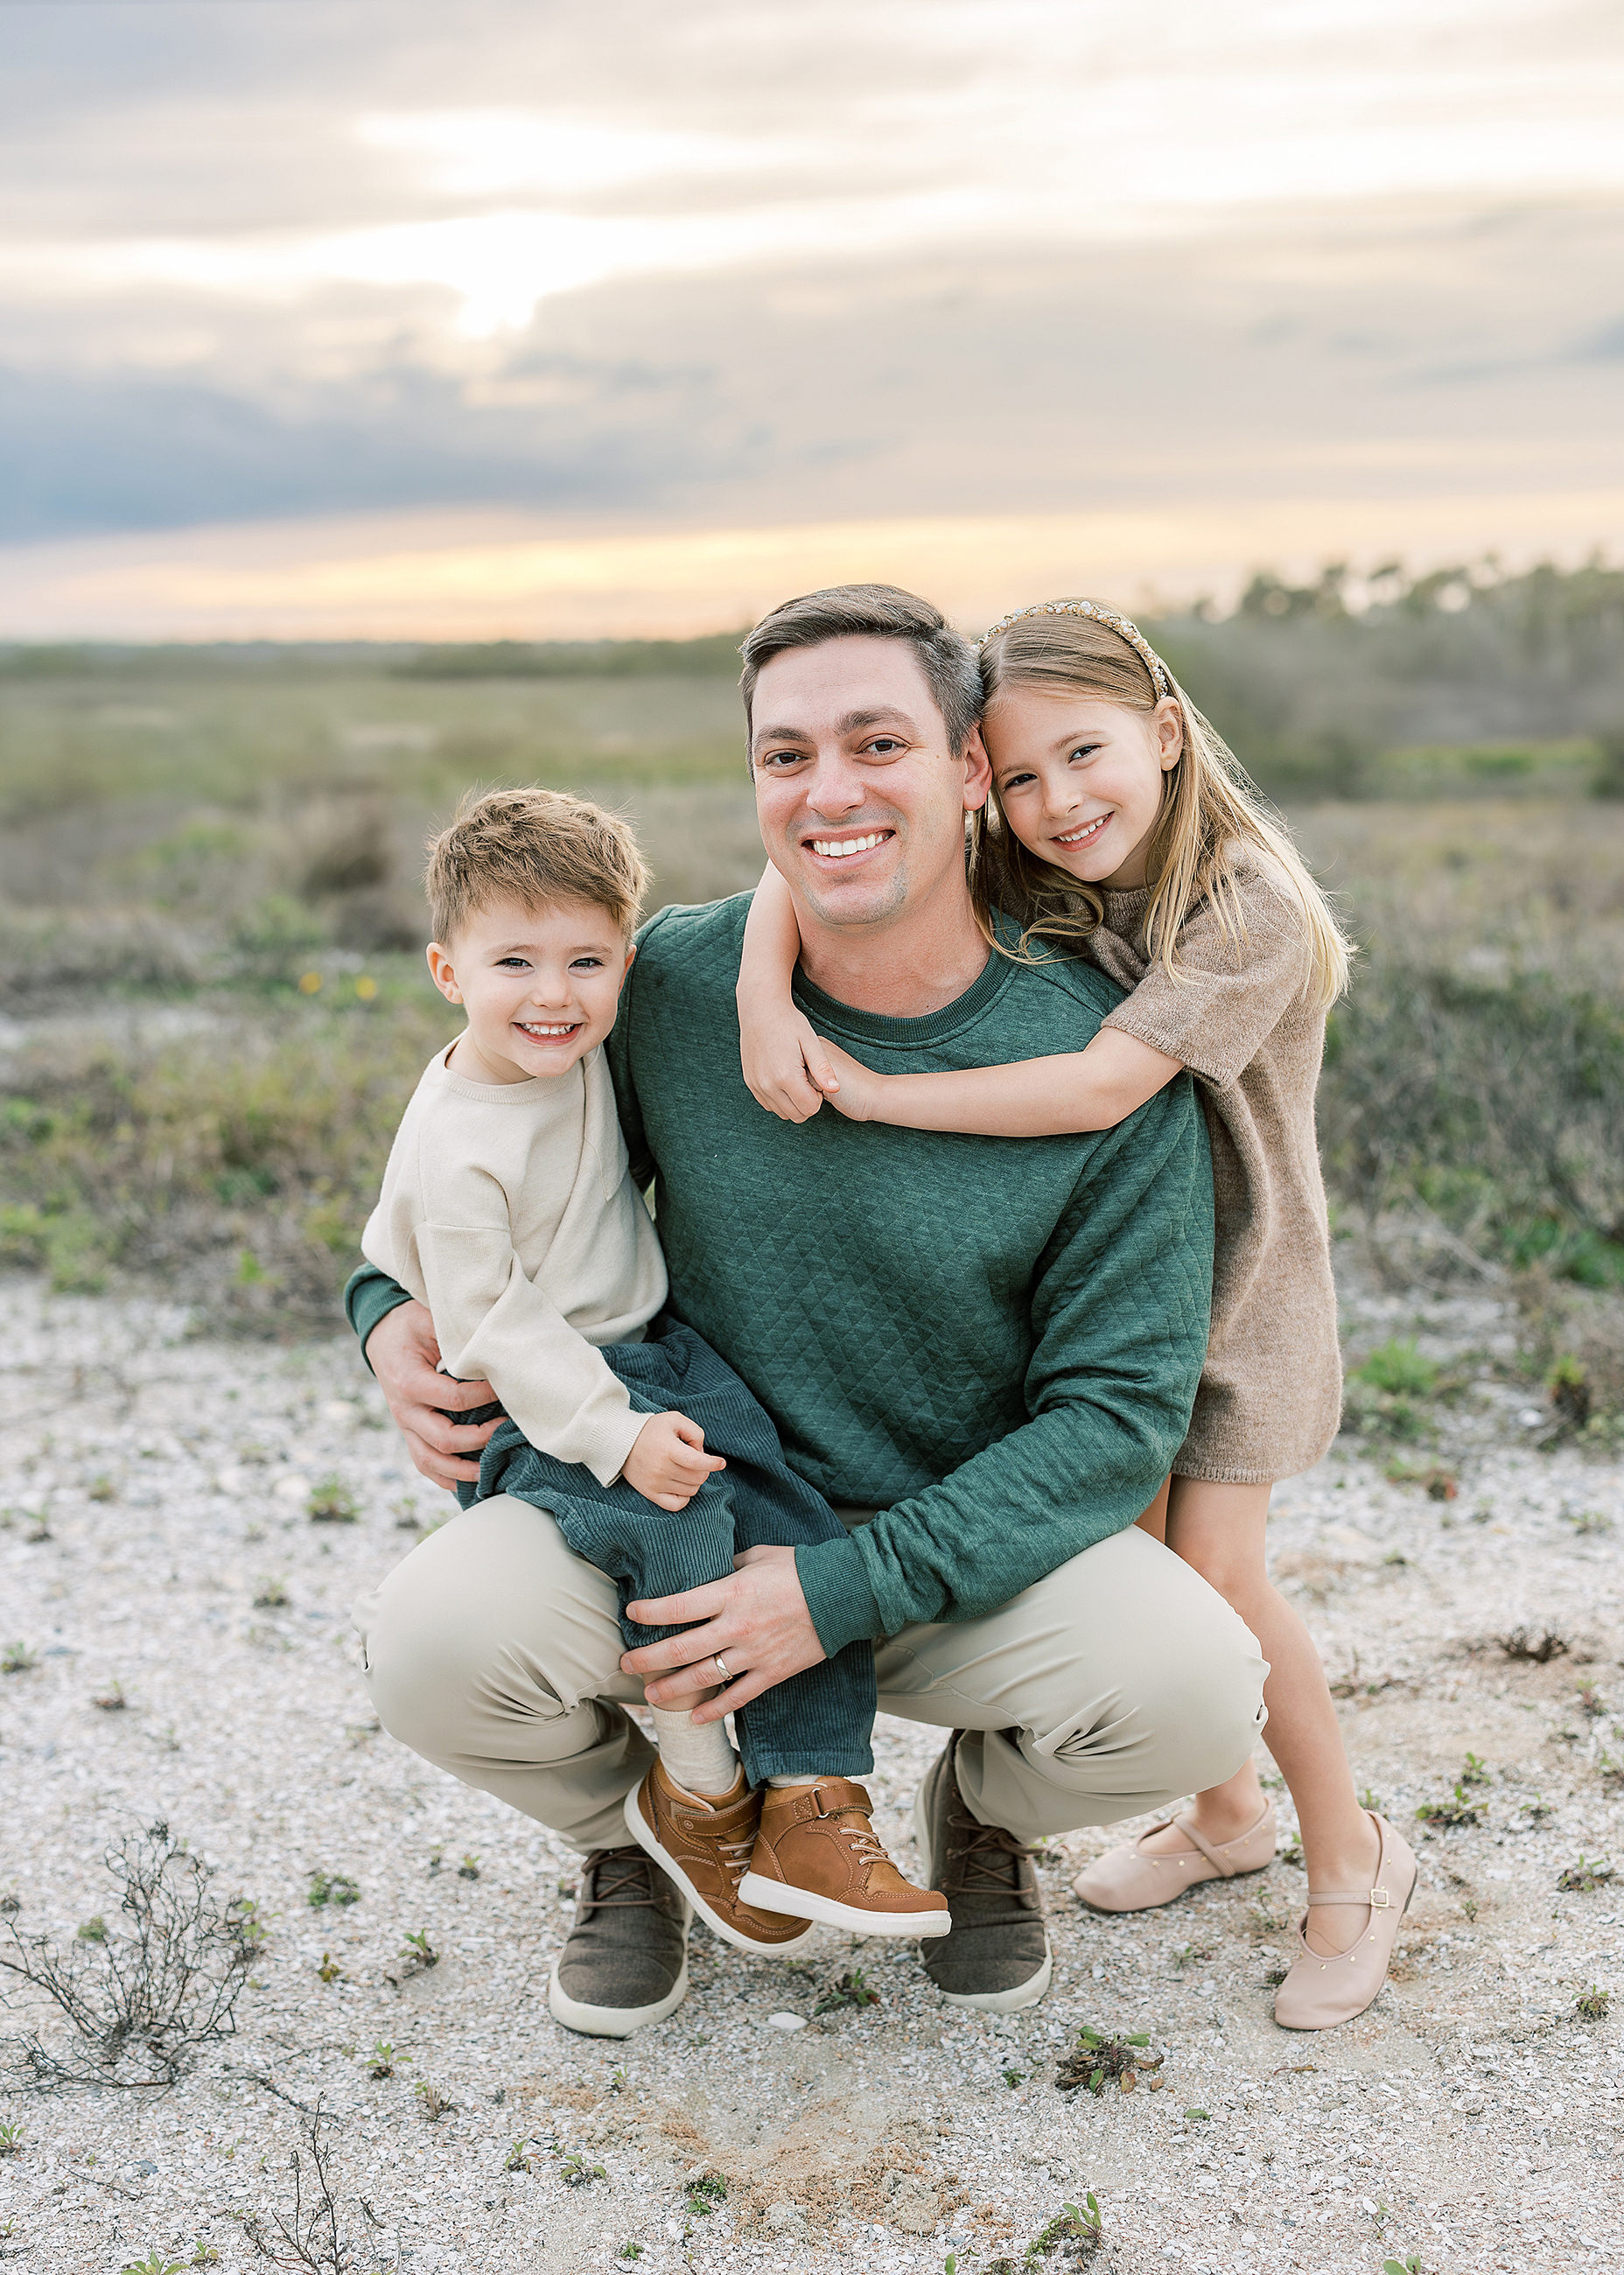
(861, 803)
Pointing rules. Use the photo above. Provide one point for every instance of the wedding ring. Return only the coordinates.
(720, 1669)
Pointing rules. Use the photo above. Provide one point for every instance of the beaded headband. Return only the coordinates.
(1161, 676)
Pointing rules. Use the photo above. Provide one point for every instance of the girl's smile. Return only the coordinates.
(1080, 780)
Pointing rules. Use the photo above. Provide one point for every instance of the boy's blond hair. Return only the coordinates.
(1210, 809)
(534, 846)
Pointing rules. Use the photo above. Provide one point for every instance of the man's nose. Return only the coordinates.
(836, 788)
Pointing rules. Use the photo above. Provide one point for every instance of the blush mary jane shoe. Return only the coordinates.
(1129, 1879)
(1324, 1989)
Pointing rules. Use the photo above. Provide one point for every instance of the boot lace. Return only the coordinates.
(735, 1856)
(986, 1860)
(612, 1877)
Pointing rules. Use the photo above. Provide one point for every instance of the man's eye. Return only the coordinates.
(883, 746)
(781, 758)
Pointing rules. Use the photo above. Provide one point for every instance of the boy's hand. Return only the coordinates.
(857, 1088)
(668, 1463)
(786, 1065)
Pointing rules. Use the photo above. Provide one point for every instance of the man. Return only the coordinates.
(983, 1352)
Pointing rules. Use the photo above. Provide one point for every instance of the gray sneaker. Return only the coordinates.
(997, 1955)
(626, 1963)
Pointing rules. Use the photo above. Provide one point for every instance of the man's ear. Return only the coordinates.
(440, 972)
(977, 772)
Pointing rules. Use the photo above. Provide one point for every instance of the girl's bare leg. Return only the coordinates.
(1155, 1518)
(1220, 1530)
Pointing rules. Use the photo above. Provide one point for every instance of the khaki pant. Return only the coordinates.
(1112, 1686)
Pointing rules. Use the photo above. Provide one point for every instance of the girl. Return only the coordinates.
(1120, 826)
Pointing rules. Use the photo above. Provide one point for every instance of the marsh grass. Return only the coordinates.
(210, 934)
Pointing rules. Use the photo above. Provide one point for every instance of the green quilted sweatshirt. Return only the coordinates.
(993, 1341)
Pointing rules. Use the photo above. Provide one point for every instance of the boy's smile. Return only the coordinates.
(539, 987)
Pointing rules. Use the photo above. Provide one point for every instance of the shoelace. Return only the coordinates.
(631, 1868)
(993, 1856)
(735, 1857)
(861, 1837)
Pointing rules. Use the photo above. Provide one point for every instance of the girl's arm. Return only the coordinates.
(1092, 1089)
(786, 1066)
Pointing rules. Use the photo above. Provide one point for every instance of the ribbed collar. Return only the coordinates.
(936, 1027)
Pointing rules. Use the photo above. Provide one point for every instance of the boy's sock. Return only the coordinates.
(698, 1756)
(792, 1780)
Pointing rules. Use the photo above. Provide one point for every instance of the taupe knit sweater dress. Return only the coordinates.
(1271, 1392)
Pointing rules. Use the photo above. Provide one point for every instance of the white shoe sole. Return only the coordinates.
(642, 1834)
(615, 2021)
(989, 2002)
(800, 1903)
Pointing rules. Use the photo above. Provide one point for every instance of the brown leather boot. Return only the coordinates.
(816, 1856)
(705, 1849)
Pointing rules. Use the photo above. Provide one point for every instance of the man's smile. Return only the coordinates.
(843, 848)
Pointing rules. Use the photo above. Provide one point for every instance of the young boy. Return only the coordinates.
(508, 1208)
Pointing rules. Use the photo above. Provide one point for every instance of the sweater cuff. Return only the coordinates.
(835, 1583)
(370, 1295)
(611, 1445)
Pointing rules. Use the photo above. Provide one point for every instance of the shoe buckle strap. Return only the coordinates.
(1378, 1898)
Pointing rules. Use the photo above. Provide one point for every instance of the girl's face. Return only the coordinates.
(1080, 780)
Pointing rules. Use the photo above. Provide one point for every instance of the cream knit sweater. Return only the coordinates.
(509, 1209)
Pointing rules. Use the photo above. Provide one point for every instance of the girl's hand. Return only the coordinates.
(858, 1090)
(786, 1066)
(667, 1463)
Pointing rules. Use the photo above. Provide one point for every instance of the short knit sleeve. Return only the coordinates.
(1229, 994)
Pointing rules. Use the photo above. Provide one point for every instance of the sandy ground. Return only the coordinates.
(158, 1486)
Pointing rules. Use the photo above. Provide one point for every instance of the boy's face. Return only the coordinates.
(539, 987)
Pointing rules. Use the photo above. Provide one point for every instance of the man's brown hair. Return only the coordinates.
(534, 846)
(874, 612)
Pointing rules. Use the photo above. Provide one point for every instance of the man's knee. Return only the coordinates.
(1201, 1691)
(1175, 1694)
(489, 1621)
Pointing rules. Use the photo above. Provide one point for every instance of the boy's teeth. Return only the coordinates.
(835, 849)
(531, 1027)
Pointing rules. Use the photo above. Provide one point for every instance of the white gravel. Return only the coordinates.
(155, 1484)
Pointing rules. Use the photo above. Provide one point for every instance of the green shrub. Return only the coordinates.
(1398, 1367)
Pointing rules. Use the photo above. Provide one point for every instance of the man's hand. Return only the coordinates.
(667, 1463)
(758, 1621)
(405, 1354)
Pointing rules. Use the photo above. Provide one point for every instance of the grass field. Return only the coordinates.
(210, 937)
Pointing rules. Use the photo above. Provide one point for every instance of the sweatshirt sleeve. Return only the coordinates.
(496, 1325)
(1120, 1313)
(370, 1295)
(1230, 995)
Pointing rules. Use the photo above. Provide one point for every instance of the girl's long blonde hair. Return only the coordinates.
(1210, 809)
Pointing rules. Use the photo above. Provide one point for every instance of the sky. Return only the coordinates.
(369, 318)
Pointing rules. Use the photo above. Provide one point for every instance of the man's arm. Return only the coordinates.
(1120, 1309)
(399, 1344)
(617, 1058)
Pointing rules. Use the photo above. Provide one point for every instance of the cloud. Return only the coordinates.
(725, 267)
